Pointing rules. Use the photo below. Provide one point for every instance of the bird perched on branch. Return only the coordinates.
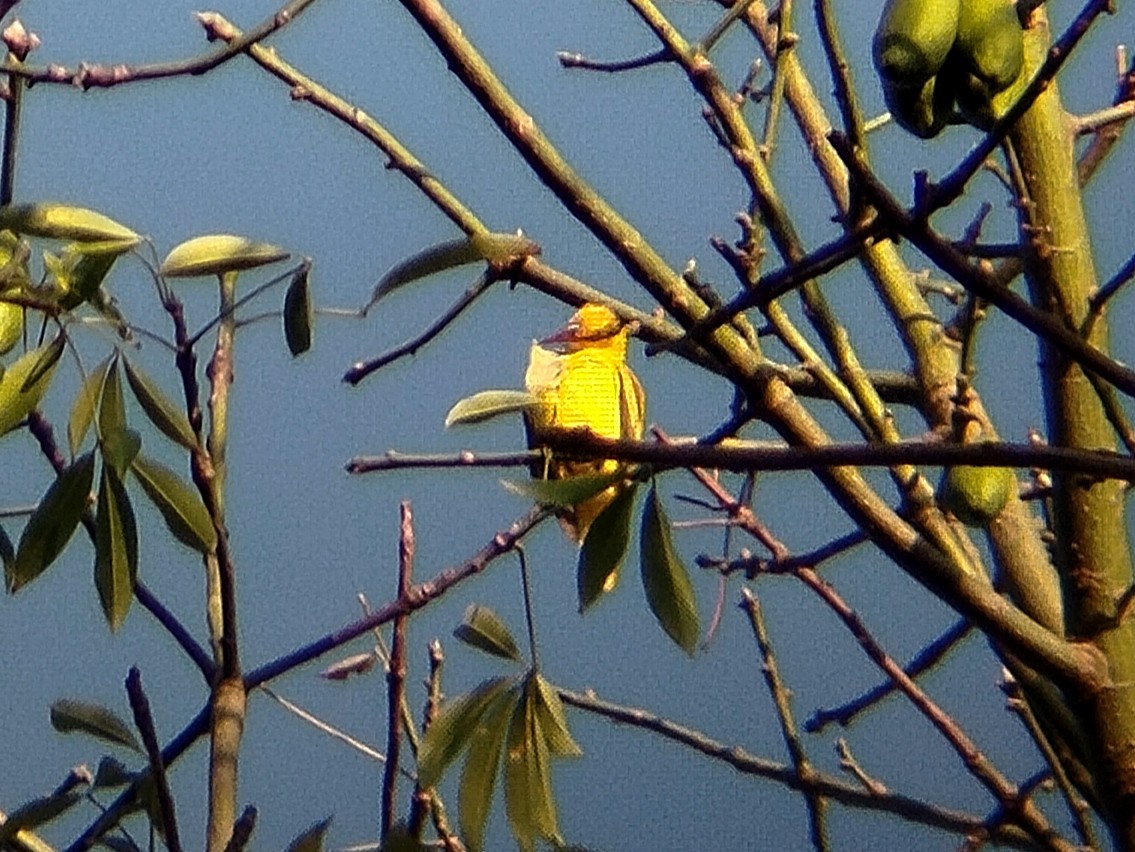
(582, 380)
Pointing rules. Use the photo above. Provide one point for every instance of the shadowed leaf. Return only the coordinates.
(180, 505)
(488, 404)
(71, 716)
(167, 417)
(53, 522)
(119, 450)
(116, 549)
(553, 721)
(604, 549)
(112, 772)
(298, 312)
(312, 839)
(669, 592)
(479, 774)
(482, 628)
(449, 733)
(563, 492)
(529, 804)
(36, 813)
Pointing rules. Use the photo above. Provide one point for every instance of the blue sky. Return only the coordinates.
(231, 152)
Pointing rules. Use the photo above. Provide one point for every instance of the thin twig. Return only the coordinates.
(578, 60)
(396, 672)
(805, 772)
(144, 721)
(317, 723)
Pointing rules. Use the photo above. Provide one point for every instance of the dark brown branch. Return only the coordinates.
(396, 675)
(144, 721)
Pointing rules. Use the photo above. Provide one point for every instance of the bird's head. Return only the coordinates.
(592, 326)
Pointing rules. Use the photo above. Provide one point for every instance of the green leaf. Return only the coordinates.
(119, 450)
(311, 840)
(479, 774)
(482, 628)
(112, 405)
(435, 259)
(167, 417)
(449, 734)
(112, 773)
(116, 549)
(53, 522)
(83, 408)
(604, 548)
(71, 716)
(529, 803)
(84, 271)
(298, 311)
(7, 557)
(215, 254)
(669, 591)
(35, 813)
(553, 721)
(65, 222)
(485, 405)
(563, 492)
(180, 505)
(24, 383)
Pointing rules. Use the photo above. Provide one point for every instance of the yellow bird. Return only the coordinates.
(581, 377)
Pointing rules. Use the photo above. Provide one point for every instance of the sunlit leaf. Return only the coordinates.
(298, 312)
(36, 813)
(604, 548)
(116, 549)
(488, 404)
(563, 492)
(482, 628)
(669, 591)
(553, 720)
(448, 735)
(311, 840)
(180, 505)
(215, 254)
(167, 417)
(65, 222)
(24, 383)
(83, 407)
(71, 716)
(11, 325)
(479, 774)
(53, 522)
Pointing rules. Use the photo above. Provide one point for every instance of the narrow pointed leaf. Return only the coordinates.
(25, 382)
(215, 254)
(488, 404)
(529, 804)
(311, 840)
(553, 720)
(7, 558)
(298, 312)
(180, 505)
(435, 259)
(65, 222)
(116, 549)
(167, 417)
(669, 591)
(112, 405)
(71, 716)
(563, 492)
(479, 774)
(36, 813)
(449, 733)
(86, 274)
(83, 407)
(604, 548)
(11, 326)
(53, 522)
(482, 628)
(119, 450)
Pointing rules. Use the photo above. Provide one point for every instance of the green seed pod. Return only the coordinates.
(990, 44)
(914, 38)
(924, 110)
(976, 495)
